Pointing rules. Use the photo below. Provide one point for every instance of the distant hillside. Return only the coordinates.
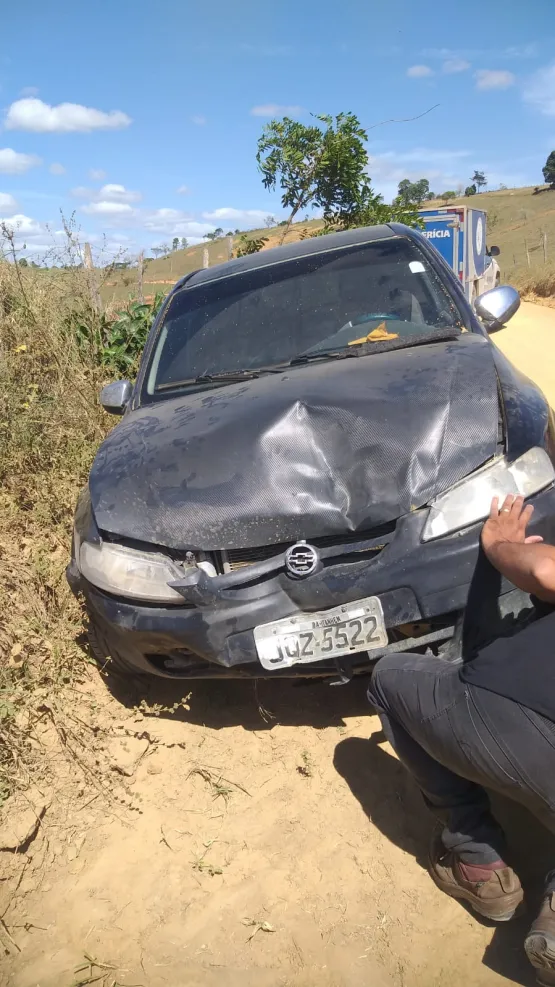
(520, 223)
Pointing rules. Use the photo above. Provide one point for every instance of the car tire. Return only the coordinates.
(104, 653)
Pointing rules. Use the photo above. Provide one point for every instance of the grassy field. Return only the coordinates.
(519, 222)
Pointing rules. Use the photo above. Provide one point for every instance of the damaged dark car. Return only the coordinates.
(304, 463)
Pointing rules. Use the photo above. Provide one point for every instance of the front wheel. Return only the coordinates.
(104, 653)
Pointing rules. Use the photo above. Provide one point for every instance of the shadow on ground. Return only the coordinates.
(252, 704)
(393, 804)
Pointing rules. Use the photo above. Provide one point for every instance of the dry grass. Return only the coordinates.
(50, 424)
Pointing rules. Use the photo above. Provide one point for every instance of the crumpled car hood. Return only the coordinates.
(324, 449)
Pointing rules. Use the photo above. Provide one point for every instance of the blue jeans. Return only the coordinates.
(454, 739)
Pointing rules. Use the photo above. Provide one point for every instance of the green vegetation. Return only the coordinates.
(479, 180)
(549, 170)
(325, 167)
(413, 193)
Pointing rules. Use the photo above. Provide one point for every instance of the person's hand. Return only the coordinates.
(508, 524)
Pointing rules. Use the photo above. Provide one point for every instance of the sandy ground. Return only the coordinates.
(275, 841)
(529, 342)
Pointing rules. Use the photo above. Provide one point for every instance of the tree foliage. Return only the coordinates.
(479, 180)
(413, 193)
(549, 170)
(250, 245)
(324, 165)
(215, 235)
(470, 190)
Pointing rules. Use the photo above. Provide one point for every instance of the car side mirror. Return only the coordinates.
(494, 251)
(497, 306)
(115, 397)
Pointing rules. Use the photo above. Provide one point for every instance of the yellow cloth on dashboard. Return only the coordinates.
(376, 336)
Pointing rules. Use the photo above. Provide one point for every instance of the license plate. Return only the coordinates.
(308, 637)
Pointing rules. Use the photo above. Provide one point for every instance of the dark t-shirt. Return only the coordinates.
(521, 667)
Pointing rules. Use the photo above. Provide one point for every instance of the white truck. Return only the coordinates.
(459, 234)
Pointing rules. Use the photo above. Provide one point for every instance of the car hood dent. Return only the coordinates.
(324, 449)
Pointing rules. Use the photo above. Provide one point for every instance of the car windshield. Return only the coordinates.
(321, 303)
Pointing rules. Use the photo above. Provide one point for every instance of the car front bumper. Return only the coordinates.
(433, 585)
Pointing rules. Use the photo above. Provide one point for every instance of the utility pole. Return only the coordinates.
(140, 273)
(93, 287)
(205, 258)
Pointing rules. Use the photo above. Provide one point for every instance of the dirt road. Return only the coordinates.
(529, 342)
(274, 841)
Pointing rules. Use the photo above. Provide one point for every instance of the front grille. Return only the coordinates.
(238, 558)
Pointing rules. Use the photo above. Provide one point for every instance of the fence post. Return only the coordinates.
(544, 238)
(229, 247)
(93, 287)
(527, 252)
(205, 258)
(140, 273)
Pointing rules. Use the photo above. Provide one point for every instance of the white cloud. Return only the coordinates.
(8, 205)
(14, 163)
(118, 193)
(57, 169)
(34, 115)
(96, 174)
(276, 110)
(108, 193)
(29, 91)
(198, 120)
(419, 71)
(22, 225)
(452, 65)
(493, 79)
(252, 217)
(183, 190)
(539, 90)
(106, 208)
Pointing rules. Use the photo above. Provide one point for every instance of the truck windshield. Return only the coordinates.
(269, 316)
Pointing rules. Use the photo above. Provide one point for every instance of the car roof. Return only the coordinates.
(301, 248)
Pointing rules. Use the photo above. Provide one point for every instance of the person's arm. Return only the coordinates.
(526, 561)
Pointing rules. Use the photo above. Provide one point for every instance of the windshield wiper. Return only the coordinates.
(228, 376)
(340, 354)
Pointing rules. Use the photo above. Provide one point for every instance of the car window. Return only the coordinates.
(273, 314)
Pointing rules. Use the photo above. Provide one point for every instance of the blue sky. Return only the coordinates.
(167, 100)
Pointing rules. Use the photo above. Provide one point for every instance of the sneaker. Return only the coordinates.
(540, 943)
(494, 893)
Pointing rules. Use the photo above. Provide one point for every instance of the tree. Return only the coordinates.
(23, 262)
(479, 180)
(470, 190)
(175, 243)
(404, 191)
(215, 235)
(250, 245)
(445, 196)
(269, 221)
(184, 243)
(321, 166)
(158, 251)
(549, 170)
(413, 193)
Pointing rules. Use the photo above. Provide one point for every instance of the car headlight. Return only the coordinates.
(127, 572)
(469, 501)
